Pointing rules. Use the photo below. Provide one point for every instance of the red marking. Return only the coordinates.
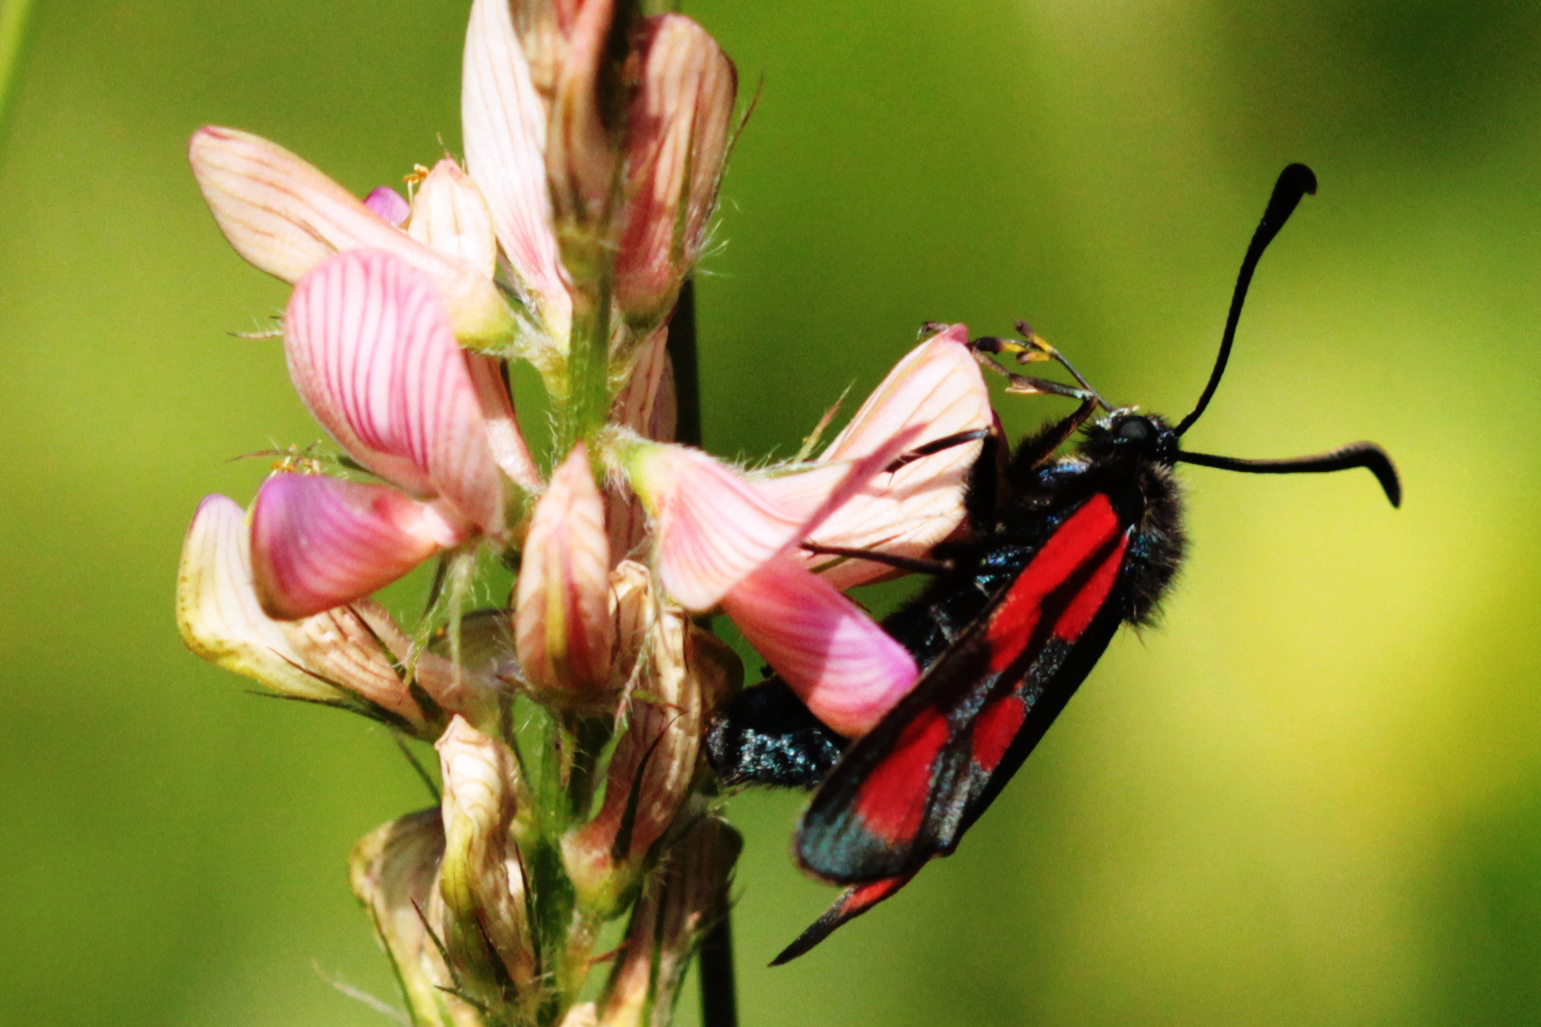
(1075, 542)
(1085, 604)
(892, 801)
(997, 725)
(864, 896)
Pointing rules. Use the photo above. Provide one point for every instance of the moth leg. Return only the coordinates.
(946, 442)
(911, 564)
(1037, 448)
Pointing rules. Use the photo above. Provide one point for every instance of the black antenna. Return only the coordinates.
(1294, 182)
(1355, 454)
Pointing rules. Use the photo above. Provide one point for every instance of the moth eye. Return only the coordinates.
(1136, 429)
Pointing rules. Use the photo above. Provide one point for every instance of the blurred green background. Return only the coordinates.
(1313, 796)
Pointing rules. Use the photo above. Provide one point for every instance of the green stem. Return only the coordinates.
(588, 370)
(13, 31)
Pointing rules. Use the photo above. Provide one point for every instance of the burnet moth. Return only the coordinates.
(1062, 550)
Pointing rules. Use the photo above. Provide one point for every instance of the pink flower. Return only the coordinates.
(723, 538)
(372, 354)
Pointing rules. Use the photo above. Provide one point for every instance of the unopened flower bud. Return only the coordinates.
(676, 145)
(563, 629)
(449, 214)
(481, 880)
(393, 871)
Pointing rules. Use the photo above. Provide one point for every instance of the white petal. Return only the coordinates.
(286, 217)
(449, 214)
(504, 124)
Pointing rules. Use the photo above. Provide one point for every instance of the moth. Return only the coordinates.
(1062, 550)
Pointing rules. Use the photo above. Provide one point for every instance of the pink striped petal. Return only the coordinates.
(714, 527)
(504, 124)
(675, 151)
(317, 542)
(449, 214)
(844, 667)
(564, 633)
(387, 205)
(286, 217)
(325, 657)
(372, 355)
(937, 391)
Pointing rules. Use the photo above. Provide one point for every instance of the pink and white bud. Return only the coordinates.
(482, 878)
(676, 146)
(504, 123)
(334, 657)
(935, 391)
(581, 158)
(450, 215)
(563, 629)
(394, 870)
(685, 673)
(844, 667)
(286, 217)
(688, 894)
(387, 205)
(713, 527)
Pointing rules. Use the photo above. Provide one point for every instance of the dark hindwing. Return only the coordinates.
(908, 789)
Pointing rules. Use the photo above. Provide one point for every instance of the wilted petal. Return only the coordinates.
(393, 871)
(482, 876)
(563, 630)
(286, 217)
(635, 610)
(387, 205)
(504, 124)
(317, 542)
(846, 669)
(449, 214)
(675, 150)
(686, 672)
(371, 353)
(714, 527)
(334, 656)
(689, 894)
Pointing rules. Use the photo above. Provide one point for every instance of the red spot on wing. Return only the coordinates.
(892, 801)
(997, 725)
(853, 902)
(1090, 597)
(1082, 535)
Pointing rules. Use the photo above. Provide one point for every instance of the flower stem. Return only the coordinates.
(719, 997)
(588, 370)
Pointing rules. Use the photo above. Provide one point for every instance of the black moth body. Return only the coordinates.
(764, 735)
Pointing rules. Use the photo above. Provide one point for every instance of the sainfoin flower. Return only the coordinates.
(568, 722)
